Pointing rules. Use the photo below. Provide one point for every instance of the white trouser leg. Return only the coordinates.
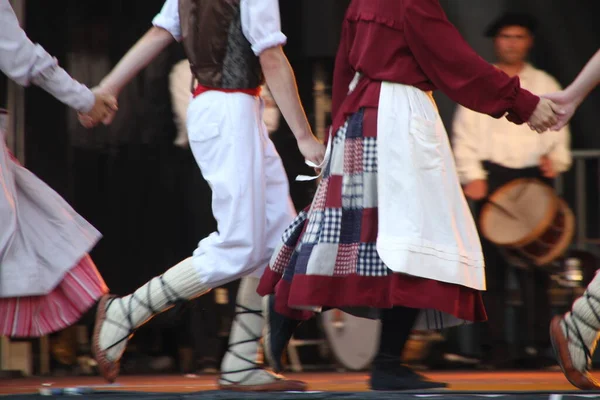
(251, 201)
(226, 140)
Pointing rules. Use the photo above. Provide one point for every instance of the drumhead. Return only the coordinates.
(517, 211)
(353, 340)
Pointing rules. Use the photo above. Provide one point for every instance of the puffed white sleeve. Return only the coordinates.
(168, 19)
(261, 24)
(27, 63)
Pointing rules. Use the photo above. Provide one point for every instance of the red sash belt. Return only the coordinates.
(201, 89)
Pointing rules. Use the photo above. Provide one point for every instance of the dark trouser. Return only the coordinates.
(396, 326)
(533, 283)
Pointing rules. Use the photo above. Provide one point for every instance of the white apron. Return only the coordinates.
(425, 226)
(41, 236)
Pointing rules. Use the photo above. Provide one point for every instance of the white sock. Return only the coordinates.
(581, 326)
(242, 363)
(125, 314)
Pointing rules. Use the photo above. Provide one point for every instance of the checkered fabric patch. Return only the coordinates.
(331, 226)
(369, 262)
(369, 156)
(295, 225)
(351, 225)
(352, 191)
(340, 134)
(321, 195)
(355, 125)
(353, 156)
(293, 265)
(345, 264)
(300, 259)
(315, 221)
(283, 259)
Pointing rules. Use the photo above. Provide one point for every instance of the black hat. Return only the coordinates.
(512, 19)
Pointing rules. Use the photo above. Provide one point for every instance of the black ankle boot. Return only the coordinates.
(278, 333)
(388, 373)
(400, 378)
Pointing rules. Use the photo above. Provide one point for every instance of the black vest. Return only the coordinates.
(220, 56)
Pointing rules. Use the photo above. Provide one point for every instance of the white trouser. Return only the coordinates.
(250, 190)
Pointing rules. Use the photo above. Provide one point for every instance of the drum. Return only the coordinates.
(526, 218)
(353, 340)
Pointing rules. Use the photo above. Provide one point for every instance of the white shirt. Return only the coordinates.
(479, 137)
(27, 63)
(261, 22)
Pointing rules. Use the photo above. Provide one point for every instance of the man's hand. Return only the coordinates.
(476, 190)
(544, 116)
(547, 167)
(104, 109)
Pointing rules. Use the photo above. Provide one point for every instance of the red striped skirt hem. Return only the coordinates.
(35, 316)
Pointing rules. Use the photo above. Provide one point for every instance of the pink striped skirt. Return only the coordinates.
(36, 316)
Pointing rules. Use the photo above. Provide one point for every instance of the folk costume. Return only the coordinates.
(47, 279)
(389, 227)
(251, 204)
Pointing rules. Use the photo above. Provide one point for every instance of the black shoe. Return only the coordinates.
(278, 332)
(401, 378)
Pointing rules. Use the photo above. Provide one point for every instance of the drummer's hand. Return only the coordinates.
(476, 190)
(547, 167)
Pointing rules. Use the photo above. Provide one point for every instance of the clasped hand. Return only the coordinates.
(103, 111)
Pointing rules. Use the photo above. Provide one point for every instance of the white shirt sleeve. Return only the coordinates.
(466, 144)
(27, 63)
(168, 19)
(261, 24)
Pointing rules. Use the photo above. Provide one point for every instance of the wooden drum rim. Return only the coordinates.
(537, 232)
(565, 240)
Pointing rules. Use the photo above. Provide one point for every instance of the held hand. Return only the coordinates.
(312, 149)
(568, 106)
(476, 190)
(547, 167)
(104, 109)
(544, 116)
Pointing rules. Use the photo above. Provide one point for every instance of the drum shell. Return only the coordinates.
(543, 225)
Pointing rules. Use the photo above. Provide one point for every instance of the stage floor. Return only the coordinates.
(143, 386)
